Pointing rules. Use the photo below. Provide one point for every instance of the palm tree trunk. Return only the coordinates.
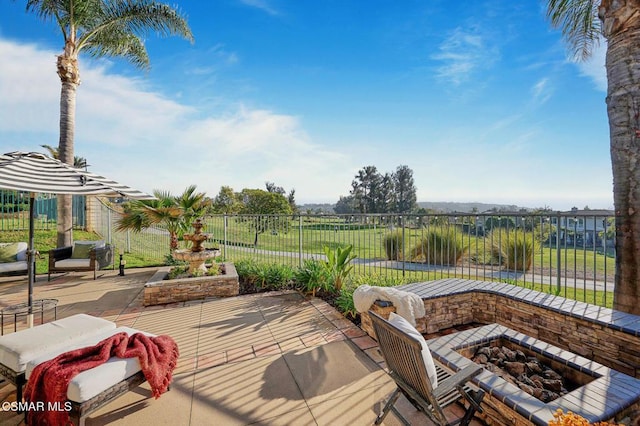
(623, 106)
(69, 76)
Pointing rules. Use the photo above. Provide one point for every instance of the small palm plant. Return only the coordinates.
(338, 264)
(174, 213)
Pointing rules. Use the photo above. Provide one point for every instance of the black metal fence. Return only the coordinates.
(571, 254)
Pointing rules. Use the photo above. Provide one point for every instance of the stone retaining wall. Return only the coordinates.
(158, 291)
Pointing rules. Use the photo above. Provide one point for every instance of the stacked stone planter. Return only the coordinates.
(158, 291)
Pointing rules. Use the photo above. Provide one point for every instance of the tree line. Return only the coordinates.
(373, 192)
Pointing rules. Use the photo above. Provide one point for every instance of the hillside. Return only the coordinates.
(439, 206)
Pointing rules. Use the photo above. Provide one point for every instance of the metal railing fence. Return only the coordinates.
(14, 211)
(560, 253)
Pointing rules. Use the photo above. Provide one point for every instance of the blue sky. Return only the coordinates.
(478, 98)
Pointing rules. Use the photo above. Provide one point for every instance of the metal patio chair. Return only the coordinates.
(403, 356)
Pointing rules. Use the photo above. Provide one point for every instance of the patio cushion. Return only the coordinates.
(90, 383)
(9, 252)
(17, 349)
(73, 263)
(13, 266)
(81, 249)
(406, 326)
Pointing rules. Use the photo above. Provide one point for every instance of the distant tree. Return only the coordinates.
(271, 187)
(386, 196)
(291, 198)
(365, 189)
(405, 190)
(227, 201)
(261, 204)
(345, 205)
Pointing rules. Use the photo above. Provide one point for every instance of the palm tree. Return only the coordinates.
(582, 23)
(78, 162)
(174, 213)
(100, 28)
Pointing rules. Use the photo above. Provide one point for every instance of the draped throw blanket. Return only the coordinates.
(49, 381)
(408, 305)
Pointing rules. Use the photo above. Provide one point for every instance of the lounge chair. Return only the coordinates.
(410, 365)
(13, 258)
(82, 256)
(18, 349)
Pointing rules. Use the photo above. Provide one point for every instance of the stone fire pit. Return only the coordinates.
(601, 394)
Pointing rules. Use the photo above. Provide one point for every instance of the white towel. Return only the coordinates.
(408, 305)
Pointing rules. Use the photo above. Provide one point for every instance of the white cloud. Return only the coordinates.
(262, 5)
(541, 91)
(462, 54)
(149, 141)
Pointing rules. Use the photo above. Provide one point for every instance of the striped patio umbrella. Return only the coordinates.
(34, 172)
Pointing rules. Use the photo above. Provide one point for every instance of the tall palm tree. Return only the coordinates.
(78, 162)
(100, 28)
(174, 213)
(582, 22)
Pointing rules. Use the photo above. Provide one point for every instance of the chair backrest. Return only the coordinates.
(403, 356)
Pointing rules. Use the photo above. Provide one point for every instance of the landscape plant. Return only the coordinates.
(338, 264)
(393, 243)
(444, 247)
(100, 28)
(513, 248)
(312, 277)
(175, 213)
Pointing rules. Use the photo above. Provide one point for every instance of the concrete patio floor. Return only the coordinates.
(272, 359)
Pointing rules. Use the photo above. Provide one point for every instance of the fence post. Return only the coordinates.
(109, 226)
(403, 246)
(128, 241)
(558, 257)
(300, 241)
(224, 243)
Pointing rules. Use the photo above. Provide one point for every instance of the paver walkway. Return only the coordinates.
(276, 358)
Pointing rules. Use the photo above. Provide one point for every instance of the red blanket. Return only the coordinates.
(49, 381)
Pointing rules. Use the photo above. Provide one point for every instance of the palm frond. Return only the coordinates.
(578, 20)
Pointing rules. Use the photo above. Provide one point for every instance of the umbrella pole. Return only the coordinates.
(31, 258)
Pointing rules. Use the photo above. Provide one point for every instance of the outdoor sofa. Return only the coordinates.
(13, 258)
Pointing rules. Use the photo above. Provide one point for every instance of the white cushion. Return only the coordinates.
(73, 263)
(77, 344)
(406, 327)
(92, 382)
(22, 252)
(17, 349)
(13, 266)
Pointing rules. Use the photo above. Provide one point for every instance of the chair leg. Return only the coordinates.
(474, 398)
(392, 400)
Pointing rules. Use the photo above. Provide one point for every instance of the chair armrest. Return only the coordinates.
(59, 254)
(102, 256)
(458, 379)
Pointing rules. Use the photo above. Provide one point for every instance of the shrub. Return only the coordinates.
(514, 249)
(392, 242)
(439, 247)
(312, 276)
